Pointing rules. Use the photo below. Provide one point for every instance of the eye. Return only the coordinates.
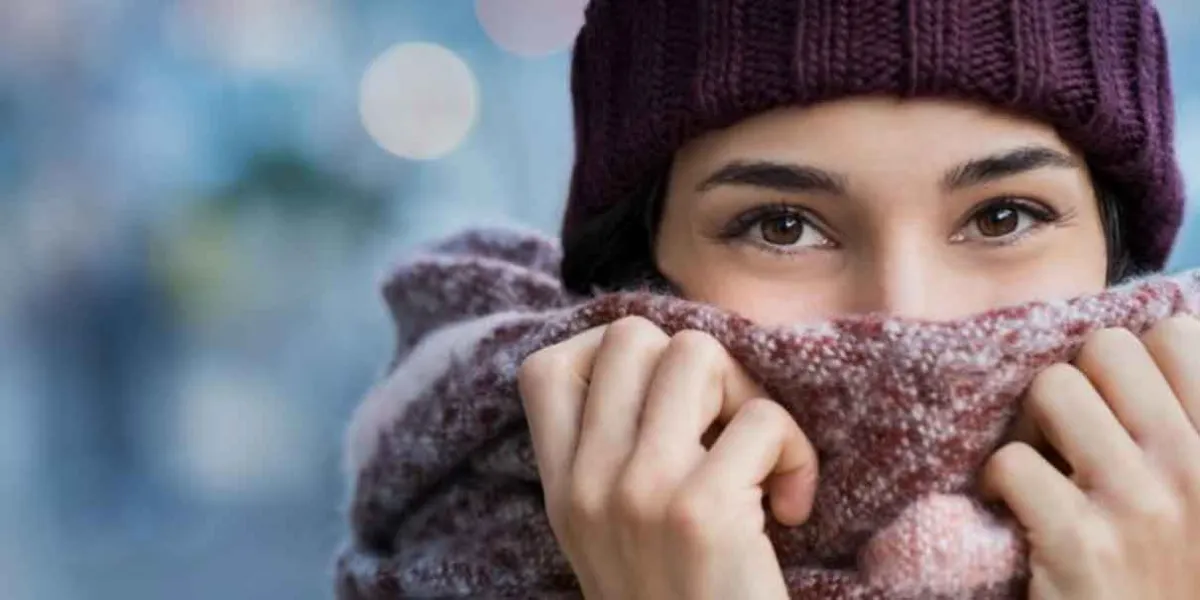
(783, 228)
(786, 228)
(998, 222)
(1004, 221)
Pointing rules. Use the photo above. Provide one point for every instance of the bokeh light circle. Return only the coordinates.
(419, 100)
(531, 28)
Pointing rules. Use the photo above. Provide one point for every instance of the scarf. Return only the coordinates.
(444, 495)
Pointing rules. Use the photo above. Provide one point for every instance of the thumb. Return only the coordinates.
(792, 488)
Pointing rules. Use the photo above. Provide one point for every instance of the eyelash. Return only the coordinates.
(1042, 214)
(740, 225)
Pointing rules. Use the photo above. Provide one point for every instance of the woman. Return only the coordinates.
(797, 161)
(927, 159)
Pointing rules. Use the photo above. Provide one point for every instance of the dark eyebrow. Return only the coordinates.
(783, 177)
(1006, 164)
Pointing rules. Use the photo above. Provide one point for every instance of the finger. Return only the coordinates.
(1027, 431)
(696, 382)
(762, 443)
(553, 384)
(1040, 497)
(621, 375)
(1127, 377)
(1174, 345)
(1079, 425)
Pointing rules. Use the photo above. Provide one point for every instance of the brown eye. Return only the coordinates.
(998, 222)
(782, 230)
(1004, 221)
(778, 229)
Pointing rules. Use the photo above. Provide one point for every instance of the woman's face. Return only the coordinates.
(921, 208)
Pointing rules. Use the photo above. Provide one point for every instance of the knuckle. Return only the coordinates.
(1178, 330)
(1092, 542)
(586, 505)
(702, 352)
(691, 516)
(634, 501)
(540, 364)
(634, 330)
(1008, 460)
(1106, 344)
(1055, 383)
(1009, 457)
(1054, 379)
(763, 413)
(1156, 511)
(1111, 337)
(698, 344)
(1180, 325)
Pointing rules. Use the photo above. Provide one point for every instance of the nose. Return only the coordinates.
(904, 283)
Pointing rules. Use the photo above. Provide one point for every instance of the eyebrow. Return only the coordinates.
(783, 177)
(1007, 164)
(797, 178)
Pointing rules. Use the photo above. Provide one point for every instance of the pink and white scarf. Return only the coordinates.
(445, 499)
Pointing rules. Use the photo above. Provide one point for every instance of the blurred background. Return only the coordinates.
(198, 199)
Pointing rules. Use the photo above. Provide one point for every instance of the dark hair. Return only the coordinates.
(615, 250)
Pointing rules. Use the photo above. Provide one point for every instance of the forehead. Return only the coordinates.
(858, 134)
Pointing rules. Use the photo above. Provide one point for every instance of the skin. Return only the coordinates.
(895, 238)
(655, 451)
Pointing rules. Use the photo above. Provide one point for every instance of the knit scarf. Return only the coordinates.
(444, 494)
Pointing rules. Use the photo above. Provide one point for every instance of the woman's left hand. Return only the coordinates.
(1124, 520)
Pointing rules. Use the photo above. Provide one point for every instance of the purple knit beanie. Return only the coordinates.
(649, 75)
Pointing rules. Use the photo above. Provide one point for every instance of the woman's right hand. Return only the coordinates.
(639, 502)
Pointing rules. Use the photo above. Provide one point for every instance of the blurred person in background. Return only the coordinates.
(799, 161)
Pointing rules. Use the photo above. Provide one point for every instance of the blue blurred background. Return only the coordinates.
(198, 199)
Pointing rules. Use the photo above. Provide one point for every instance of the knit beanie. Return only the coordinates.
(650, 75)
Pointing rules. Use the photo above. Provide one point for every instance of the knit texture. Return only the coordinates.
(445, 499)
(650, 75)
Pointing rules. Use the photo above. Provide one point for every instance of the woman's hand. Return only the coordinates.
(639, 504)
(1125, 522)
